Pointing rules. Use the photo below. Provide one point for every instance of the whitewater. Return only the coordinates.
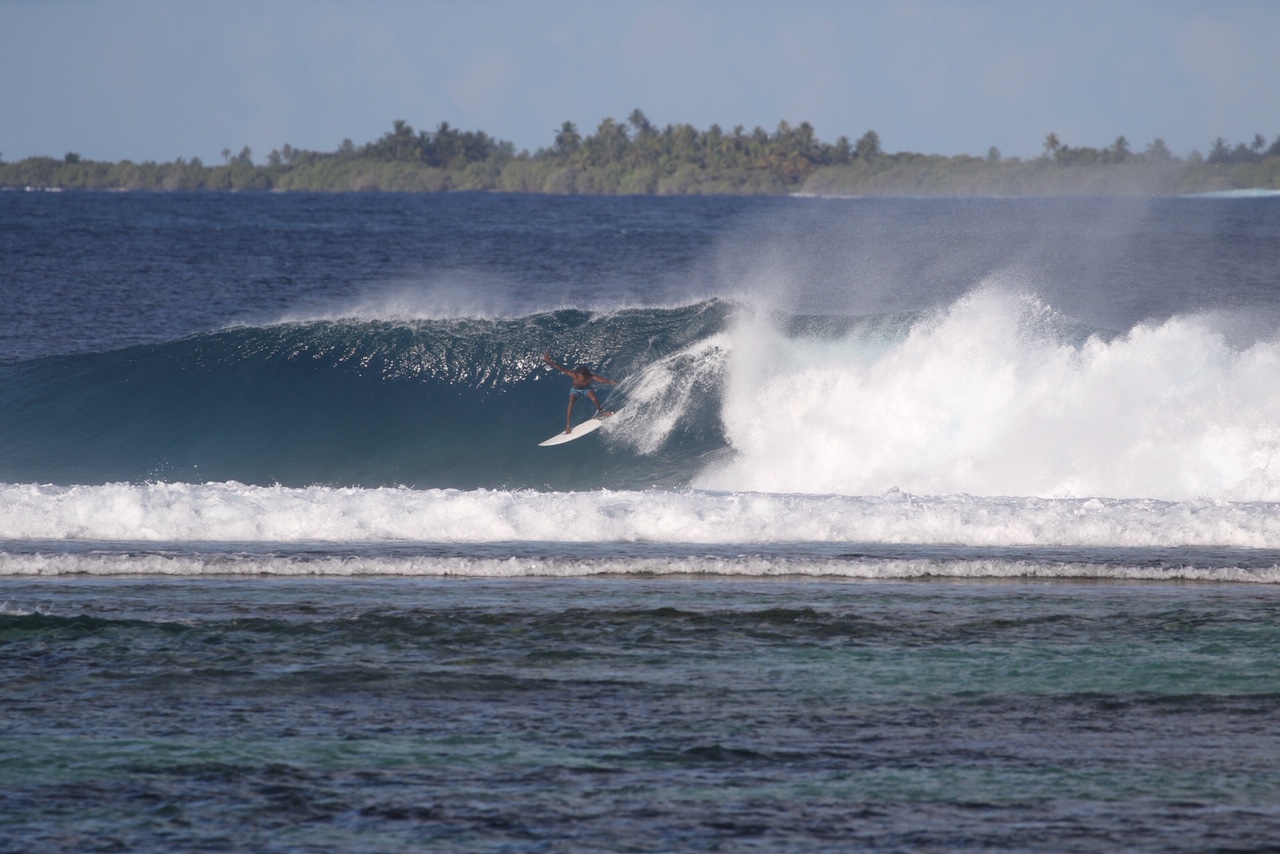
(992, 421)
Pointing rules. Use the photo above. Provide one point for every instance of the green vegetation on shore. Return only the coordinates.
(638, 158)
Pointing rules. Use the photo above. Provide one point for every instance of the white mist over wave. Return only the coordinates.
(231, 512)
(463, 295)
(985, 399)
(458, 296)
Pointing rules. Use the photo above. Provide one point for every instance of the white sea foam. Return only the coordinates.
(1246, 193)
(984, 400)
(231, 512)
(537, 567)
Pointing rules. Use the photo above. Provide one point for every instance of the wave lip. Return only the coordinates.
(233, 512)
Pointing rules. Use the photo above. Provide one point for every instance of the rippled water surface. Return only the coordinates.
(636, 714)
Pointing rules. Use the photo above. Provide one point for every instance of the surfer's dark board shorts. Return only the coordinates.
(578, 392)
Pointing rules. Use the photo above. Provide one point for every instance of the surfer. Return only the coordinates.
(582, 380)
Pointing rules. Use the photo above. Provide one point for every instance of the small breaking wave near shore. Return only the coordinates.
(231, 512)
(854, 568)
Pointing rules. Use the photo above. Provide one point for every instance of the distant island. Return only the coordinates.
(636, 157)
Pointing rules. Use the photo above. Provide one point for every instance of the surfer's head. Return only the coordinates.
(583, 371)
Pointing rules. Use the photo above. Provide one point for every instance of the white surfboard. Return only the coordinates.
(581, 430)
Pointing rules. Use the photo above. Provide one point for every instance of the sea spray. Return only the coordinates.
(996, 395)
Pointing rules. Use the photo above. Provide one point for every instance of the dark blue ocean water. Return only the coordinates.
(97, 272)
(924, 524)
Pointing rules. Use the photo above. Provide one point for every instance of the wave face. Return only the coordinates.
(425, 403)
(994, 395)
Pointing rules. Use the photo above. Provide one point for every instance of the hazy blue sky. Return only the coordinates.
(159, 79)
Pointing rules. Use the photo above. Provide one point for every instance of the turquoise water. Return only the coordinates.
(637, 713)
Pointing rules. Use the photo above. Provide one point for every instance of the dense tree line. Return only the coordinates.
(1255, 152)
(638, 157)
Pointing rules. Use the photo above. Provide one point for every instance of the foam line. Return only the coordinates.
(533, 567)
(233, 512)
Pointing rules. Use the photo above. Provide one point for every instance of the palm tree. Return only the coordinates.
(1051, 145)
(729, 146)
(640, 122)
(1219, 152)
(645, 145)
(395, 144)
(868, 145)
(684, 143)
(567, 138)
(611, 140)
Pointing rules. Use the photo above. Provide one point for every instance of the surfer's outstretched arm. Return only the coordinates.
(559, 367)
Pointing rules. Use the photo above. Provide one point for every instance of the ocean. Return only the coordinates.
(922, 525)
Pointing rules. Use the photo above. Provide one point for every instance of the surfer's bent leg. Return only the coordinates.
(568, 418)
(600, 409)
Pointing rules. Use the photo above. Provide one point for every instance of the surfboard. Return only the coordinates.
(589, 426)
